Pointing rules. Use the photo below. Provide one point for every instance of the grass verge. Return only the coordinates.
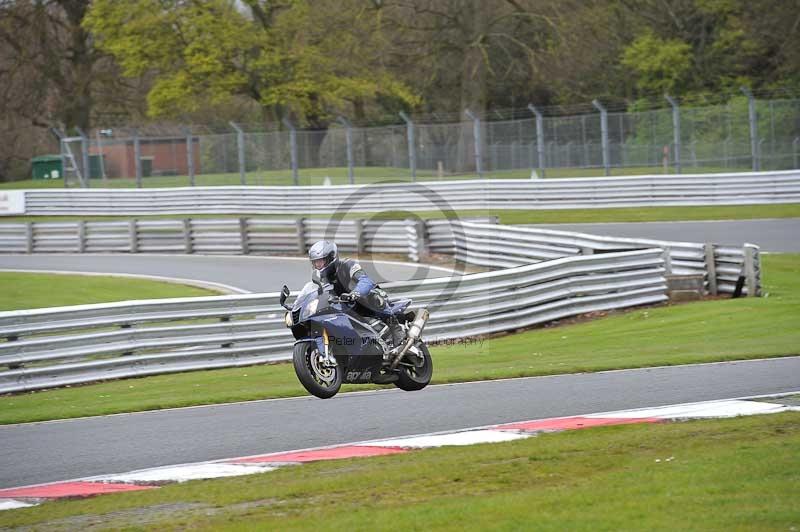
(647, 214)
(511, 216)
(340, 176)
(738, 473)
(37, 290)
(707, 331)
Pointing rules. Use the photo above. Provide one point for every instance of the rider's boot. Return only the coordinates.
(398, 335)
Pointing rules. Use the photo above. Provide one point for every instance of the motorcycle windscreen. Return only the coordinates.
(307, 301)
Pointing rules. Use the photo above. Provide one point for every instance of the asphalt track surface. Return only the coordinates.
(777, 235)
(60, 450)
(250, 273)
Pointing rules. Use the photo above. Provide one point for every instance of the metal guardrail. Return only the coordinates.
(544, 275)
(224, 236)
(503, 246)
(477, 242)
(53, 347)
(653, 190)
(731, 264)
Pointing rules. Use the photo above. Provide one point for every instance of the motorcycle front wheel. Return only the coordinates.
(319, 380)
(413, 377)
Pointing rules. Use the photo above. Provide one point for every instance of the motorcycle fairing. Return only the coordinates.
(317, 340)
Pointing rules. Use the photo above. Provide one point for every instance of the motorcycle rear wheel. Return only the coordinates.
(318, 380)
(415, 378)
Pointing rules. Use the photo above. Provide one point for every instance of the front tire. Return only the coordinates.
(412, 378)
(318, 380)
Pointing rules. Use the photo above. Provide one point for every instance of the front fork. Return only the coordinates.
(326, 357)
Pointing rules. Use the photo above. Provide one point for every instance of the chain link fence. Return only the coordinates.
(741, 135)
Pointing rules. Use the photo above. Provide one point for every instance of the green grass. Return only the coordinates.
(314, 176)
(339, 175)
(732, 474)
(508, 216)
(37, 290)
(633, 214)
(707, 331)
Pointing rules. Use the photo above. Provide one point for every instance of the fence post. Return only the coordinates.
(676, 130)
(358, 226)
(137, 158)
(412, 145)
(711, 268)
(585, 142)
(417, 240)
(794, 150)
(568, 146)
(292, 149)
(604, 133)
(102, 155)
(726, 151)
(539, 137)
(301, 235)
(515, 158)
(85, 174)
(81, 236)
(133, 236)
(423, 241)
(750, 269)
(476, 139)
(240, 149)
(28, 237)
(60, 136)
(244, 235)
(667, 254)
(187, 236)
(753, 117)
(190, 154)
(348, 133)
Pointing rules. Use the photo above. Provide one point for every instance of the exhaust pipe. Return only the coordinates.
(414, 333)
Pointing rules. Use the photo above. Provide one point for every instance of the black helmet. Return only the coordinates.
(327, 253)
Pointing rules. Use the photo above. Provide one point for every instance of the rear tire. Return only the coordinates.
(318, 380)
(416, 378)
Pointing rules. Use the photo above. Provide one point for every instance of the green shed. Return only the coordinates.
(44, 166)
(47, 167)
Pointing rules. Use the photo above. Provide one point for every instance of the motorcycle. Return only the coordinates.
(335, 345)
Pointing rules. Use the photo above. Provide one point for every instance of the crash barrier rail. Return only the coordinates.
(53, 347)
(478, 242)
(229, 236)
(579, 193)
(503, 246)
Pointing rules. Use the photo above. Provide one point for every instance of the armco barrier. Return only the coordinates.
(503, 246)
(69, 345)
(478, 242)
(651, 190)
(225, 236)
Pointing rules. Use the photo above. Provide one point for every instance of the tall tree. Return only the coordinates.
(295, 58)
(728, 43)
(455, 51)
(50, 75)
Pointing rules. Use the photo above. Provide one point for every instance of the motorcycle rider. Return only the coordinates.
(351, 282)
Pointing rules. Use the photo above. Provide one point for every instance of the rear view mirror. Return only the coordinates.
(284, 295)
(316, 278)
